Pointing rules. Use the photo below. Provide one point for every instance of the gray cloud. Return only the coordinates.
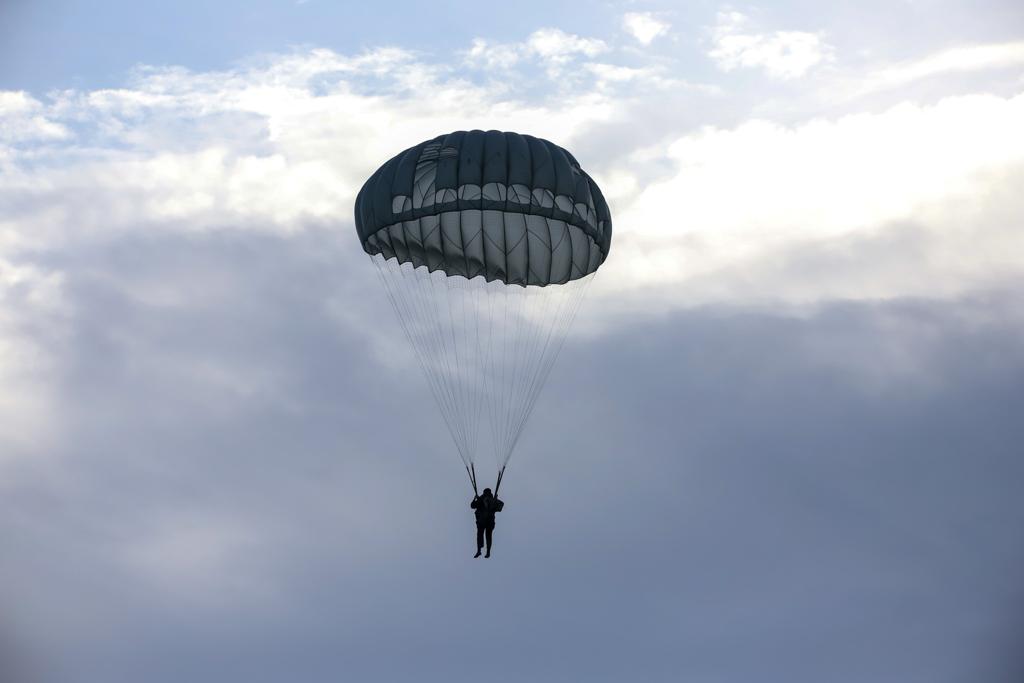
(244, 490)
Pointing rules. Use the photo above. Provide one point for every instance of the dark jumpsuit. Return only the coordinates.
(486, 507)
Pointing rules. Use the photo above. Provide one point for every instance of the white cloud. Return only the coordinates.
(22, 120)
(266, 147)
(493, 55)
(956, 60)
(644, 26)
(744, 202)
(558, 46)
(288, 141)
(551, 47)
(613, 75)
(783, 54)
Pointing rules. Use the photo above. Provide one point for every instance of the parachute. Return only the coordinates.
(485, 243)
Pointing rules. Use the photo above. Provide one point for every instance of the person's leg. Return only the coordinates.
(479, 539)
(490, 537)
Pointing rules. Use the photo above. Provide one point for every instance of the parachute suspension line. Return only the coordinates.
(478, 297)
(498, 369)
(535, 349)
(471, 324)
(525, 356)
(456, 366)
(470, 310)
(422, 292)
(524, 333)
(521, 300)
(438, 349)
(452, 357)
(405, 316)
(423, 330)
(486, 348)
(506, 369)
(445, 342)
(490, 381)
(567, 311)
(501, 363)
(465, 389)
(541, 310)
(433, 348)
(502, 384)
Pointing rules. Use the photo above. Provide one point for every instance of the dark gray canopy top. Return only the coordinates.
(506, 206)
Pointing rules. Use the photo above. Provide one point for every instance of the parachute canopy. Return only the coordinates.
(485, 243)
(510, 207)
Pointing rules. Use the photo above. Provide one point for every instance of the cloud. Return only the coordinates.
(955, 60)
(710, 215)
(493, 55)
(791, 410)
(614, 76)
(262, 147)
(551, 47)
(22, 121)
(33, 324)
(798, 465)
(277, 146)
(782, 55)
(558, 46)
(197, 556)
(934, 180)
(644, 26)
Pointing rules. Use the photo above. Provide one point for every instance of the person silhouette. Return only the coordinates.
(486, 506)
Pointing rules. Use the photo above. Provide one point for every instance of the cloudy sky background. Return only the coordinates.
(783, 443)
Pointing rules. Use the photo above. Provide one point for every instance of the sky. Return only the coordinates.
(781, 443)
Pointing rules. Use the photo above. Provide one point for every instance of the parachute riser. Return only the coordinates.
(497, 486)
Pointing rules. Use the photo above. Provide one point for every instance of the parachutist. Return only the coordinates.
(486, 243)
(486, 506)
